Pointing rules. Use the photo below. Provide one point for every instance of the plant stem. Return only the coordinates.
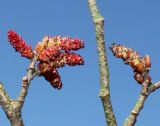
(132, 118)
(103, 65)
(13, 108)
(31, 73)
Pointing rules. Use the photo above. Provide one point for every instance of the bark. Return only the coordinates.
(145, 92)
(11, 107)
(14, 116)
(17, 121)
(103, 65)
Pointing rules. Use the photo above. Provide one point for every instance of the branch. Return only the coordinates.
(31, 73)
(131, 119)
(156, 85)
(103, 65)
(12, 108)
(4, 98)
(9, 107)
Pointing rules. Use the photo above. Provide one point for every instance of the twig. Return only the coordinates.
(12, 108)
(157, 85)
(31, 73)
(131, 119)
(103, 65)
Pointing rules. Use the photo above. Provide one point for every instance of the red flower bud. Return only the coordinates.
(48, 54)
(54, 52)
(139, 67)
(44, 67)
(68, 43)
(139, 78)
(73, 59)
(19, 44)
(70, 59)
(54, 78)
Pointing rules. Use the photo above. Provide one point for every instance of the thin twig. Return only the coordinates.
(132, 118)
(103, 65)
(157, 85)
(12, 108)
(31, 73)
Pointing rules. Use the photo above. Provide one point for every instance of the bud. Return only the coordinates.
(118, 55)
(44, 67)
(139, 67)
(48, 54)
(124, 55)
(68, 43)
(134, 62)
(39, 47)
(129, 53)
(54, 78)
(42, 45)
(55, 52)
(132, 58)
(139, 78)
(147, 61)
(73, 59)
(19, 44)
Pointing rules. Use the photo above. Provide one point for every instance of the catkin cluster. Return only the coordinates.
(53, 53)
(140, 65)
(56, 52)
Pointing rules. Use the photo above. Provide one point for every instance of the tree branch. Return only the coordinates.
(31, 73)
(9, 106)
(12, 108)
(4, 98)
(131, 119)
(103, 65)
(157, 85)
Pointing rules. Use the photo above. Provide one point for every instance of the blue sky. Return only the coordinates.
(135, 24)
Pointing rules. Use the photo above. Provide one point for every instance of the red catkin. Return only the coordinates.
(139, 64)
(19, 44)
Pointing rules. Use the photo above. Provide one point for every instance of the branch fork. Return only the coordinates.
(11, 107)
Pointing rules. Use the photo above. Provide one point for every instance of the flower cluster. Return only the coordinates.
(52, 52)
(19, 44)
(51, 47)
(52, 76)
(55, 52)
(140, 65)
